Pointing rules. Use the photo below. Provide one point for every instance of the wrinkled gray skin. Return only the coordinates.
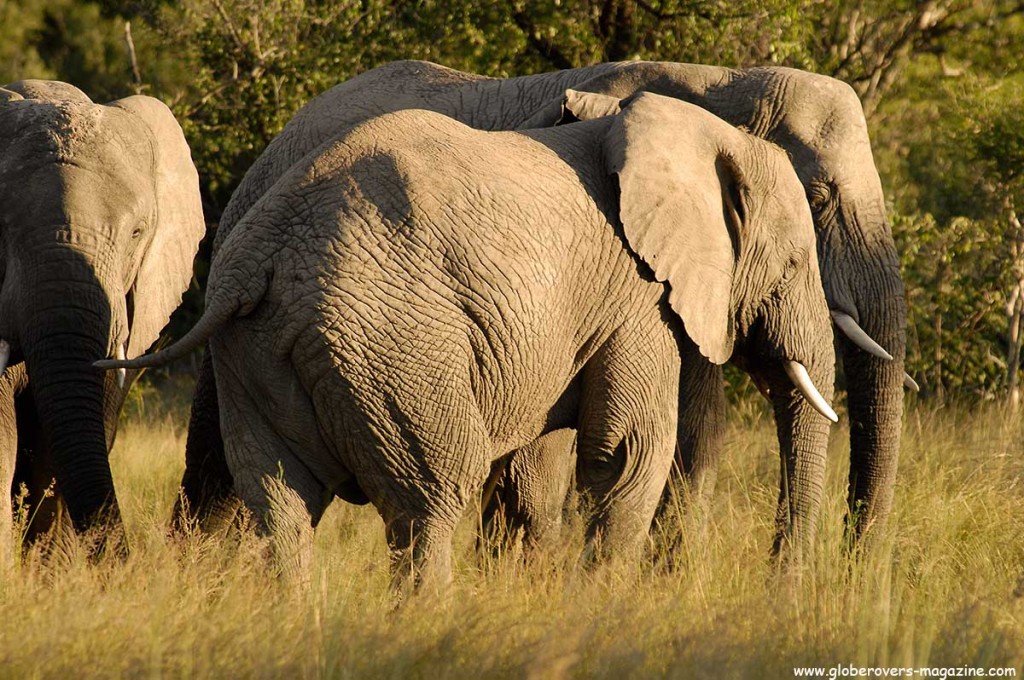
(820, 124)
(419, 299)
(99, 221)
(526, 493)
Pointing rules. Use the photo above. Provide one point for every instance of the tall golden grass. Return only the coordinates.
(942, 586)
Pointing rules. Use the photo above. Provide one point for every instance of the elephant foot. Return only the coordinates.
(421, 557)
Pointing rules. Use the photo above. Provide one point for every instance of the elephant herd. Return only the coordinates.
(433, 283)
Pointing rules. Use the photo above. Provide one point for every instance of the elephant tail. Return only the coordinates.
(215, 317)
(237, 284)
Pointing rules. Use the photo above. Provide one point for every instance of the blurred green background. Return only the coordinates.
(941, 81)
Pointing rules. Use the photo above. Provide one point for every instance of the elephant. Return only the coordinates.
(417, 299)
(100, 218)
(817, 120)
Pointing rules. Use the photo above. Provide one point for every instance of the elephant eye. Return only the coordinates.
(818, 195)
(791, 267)
(136, 233)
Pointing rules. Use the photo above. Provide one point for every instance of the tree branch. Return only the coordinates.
(544, 47)
(700, 12)
(133, 60)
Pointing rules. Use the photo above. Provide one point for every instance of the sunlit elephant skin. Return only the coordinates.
(423, 299)
(820, 124)
(100, 221)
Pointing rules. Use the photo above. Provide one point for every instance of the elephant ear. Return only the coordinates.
(681, 186)
(573, 106)
(166, 267)
(9, 96)
(587, 106)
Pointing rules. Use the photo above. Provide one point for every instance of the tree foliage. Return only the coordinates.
(63, 39)
(941, 82)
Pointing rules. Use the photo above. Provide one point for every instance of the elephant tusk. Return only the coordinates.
(798, 374)
(121, 373)
(910, 383)
(5, 355)
(858, 336)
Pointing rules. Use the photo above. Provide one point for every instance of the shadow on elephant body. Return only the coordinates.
(62, 409)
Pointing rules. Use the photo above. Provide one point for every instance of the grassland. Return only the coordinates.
(942, 586)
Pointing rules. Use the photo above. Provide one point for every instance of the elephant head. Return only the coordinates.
(820, 124)
(100, 218)
(719, 215)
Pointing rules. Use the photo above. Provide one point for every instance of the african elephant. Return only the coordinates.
(820, 124)
(100, 218)
(423, 298)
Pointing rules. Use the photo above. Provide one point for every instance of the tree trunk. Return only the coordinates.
(940, 390)
(1014, 310)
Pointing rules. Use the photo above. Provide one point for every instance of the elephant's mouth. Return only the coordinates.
(788, 373)
(121, 338)
(129, 312)
(774, 369)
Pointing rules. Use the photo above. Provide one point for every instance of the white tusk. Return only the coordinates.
(858, 336)
(5, 355)
(121, 373)
(910, 383)
(798, 374)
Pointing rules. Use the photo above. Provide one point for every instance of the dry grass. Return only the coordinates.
(941, 587)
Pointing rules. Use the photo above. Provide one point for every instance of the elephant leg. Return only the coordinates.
(701, 423)
(283, 495)
(35, 470)
(701, 435)
(8, 454)
(284, 498)
(420, 545)
(422, 467)
(419, 523)
(539, 481)
(627, 435)
(495, 533)
(530, 493)
(207, 497)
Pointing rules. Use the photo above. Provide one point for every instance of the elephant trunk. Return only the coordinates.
(802, 425)
(803, 444)
(66, 327)
(875, 398)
